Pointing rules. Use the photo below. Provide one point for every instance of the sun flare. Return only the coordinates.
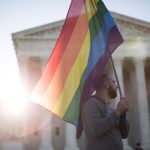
(14, 97)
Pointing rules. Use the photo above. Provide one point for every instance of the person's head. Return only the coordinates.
(108, 84)
(138, 145)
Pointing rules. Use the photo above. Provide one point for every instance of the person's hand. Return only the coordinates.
(122, 106)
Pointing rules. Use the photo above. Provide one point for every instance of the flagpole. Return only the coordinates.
(116, 76)
(118, 83)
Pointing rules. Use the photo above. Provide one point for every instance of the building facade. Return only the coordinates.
(132, 61)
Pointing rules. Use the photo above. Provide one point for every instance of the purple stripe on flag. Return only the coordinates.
(114, 40)
(93, 78)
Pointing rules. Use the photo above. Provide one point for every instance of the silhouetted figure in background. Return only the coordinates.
(138, 146)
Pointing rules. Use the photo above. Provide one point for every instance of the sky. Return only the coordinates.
(18, 15)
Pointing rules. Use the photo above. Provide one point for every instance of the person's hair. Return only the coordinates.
(138, 143)
(104, 77)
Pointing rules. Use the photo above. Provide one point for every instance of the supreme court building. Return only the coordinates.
(132, 60)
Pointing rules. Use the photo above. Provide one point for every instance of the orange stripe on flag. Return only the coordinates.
(72, 50)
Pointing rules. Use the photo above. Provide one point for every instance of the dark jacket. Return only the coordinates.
(103, 129)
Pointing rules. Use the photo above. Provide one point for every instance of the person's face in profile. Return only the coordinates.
(112, 88)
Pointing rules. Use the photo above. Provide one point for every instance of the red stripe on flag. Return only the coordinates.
(70, 55)
(62, 42)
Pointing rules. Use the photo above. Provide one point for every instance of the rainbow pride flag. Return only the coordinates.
(87, 39)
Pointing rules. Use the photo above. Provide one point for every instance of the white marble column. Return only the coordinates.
(46, 126)
(142, 104)
(118, 65)
(46, 139)
(71, 142)
(44, 61)
(24, 74)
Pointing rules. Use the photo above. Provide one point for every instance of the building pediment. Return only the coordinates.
(130, 28)
(48, 31)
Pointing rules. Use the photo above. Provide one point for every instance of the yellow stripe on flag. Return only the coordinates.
(73, 80)
(91, 7)
(68, 59)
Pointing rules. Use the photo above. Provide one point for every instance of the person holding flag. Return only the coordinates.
(104, 127)
(88, 38)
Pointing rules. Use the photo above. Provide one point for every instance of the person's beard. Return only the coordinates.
(112, 92)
